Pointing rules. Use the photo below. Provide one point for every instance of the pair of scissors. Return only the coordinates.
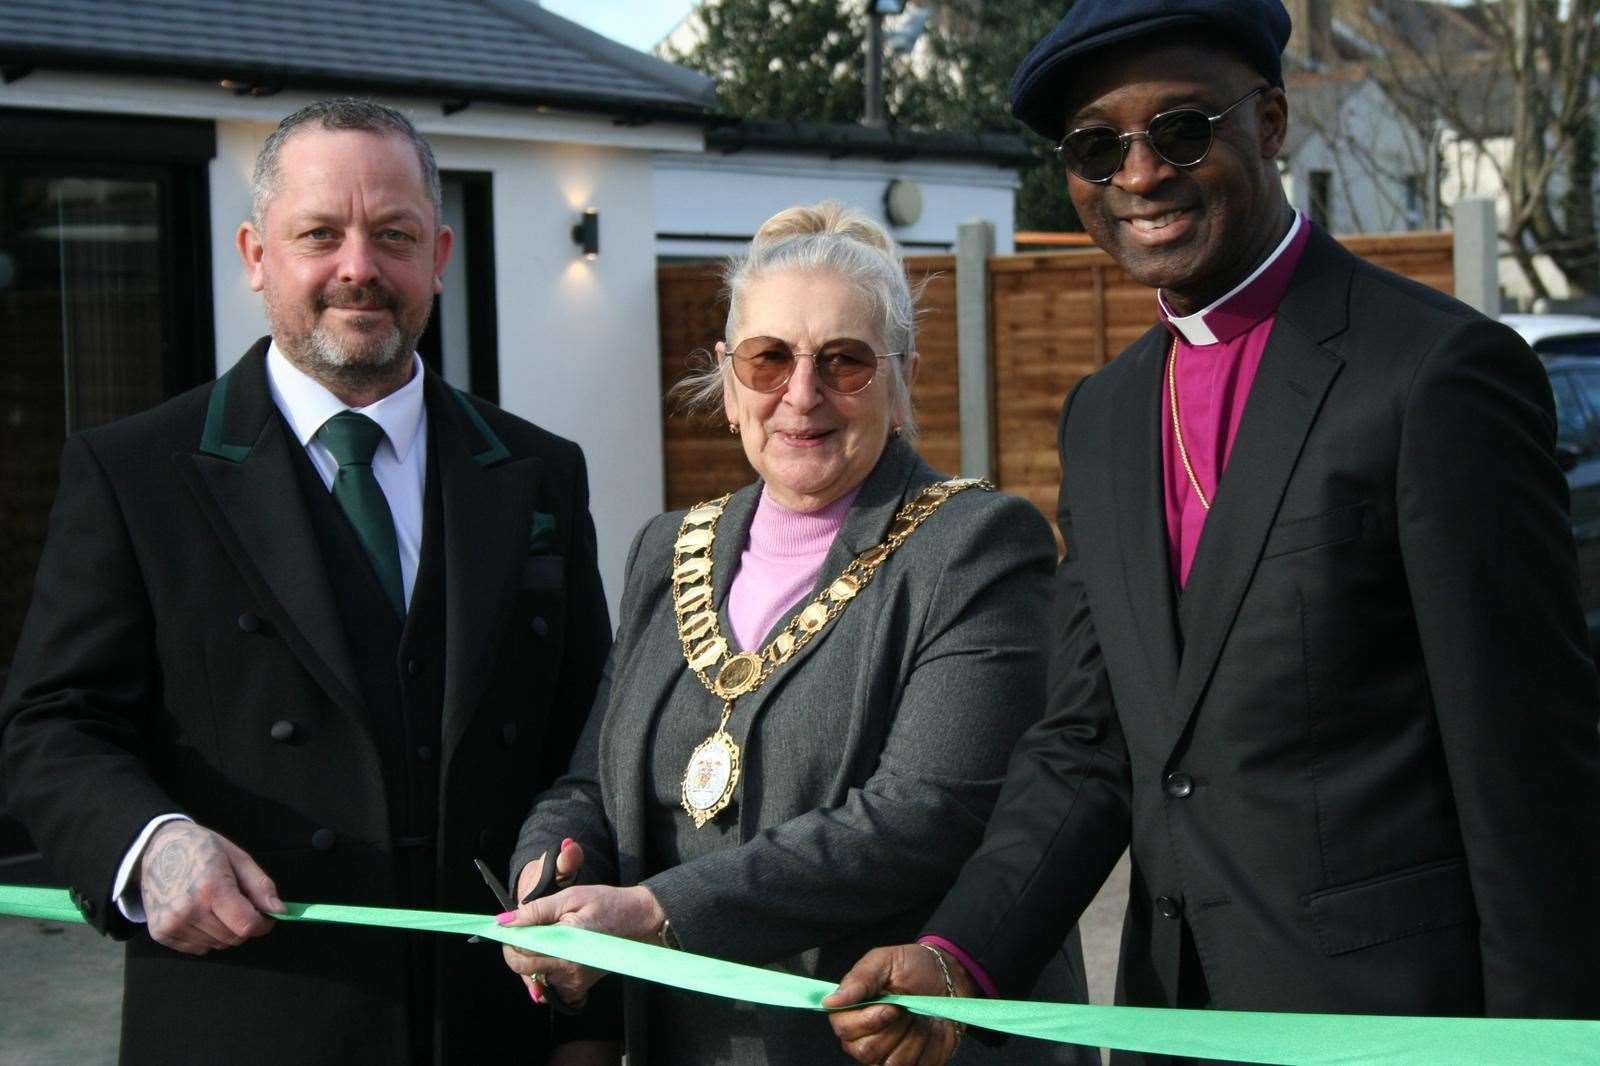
(543, 887)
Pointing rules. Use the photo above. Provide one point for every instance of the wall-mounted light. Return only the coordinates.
(586, 234)
(902, 202)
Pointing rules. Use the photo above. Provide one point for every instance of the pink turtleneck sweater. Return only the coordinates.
(780, 564)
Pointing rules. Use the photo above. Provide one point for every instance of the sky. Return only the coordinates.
(635, 23)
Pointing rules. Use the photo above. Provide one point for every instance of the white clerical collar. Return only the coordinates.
(1193, 327)
(307, 404)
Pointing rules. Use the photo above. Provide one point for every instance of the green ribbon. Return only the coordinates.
(1241, 1036)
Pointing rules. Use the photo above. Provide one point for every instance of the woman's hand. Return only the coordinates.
(626, 912)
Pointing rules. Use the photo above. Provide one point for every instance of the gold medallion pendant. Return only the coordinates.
(712, 775)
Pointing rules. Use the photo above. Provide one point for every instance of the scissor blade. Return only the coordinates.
(499, 890)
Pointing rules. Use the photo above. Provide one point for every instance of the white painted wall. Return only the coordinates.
(731, 195)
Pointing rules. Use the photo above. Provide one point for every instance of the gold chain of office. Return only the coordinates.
(1177, 427)
(712, 775)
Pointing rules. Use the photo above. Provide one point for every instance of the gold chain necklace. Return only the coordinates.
(1177, 429)
(712, 775)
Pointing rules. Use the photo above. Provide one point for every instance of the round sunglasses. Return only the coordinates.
(844, 365)
(1181, 136)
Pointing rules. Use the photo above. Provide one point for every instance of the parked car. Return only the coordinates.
(1558, 334)
(1575, 381)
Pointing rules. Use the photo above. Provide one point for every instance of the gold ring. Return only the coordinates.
(536, 978)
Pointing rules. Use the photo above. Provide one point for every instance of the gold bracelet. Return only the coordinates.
(949, 989)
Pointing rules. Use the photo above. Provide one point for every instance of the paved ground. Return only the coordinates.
(60, 986)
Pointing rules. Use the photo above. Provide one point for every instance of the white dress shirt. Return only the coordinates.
(400, 464)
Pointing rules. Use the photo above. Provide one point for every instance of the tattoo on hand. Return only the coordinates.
(183, 859)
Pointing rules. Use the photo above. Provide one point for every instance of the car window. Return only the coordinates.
(1576, 344)
(1572, 420)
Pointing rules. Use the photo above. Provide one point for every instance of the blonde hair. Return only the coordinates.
(827, 238)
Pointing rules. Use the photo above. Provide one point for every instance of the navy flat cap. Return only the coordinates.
(1257, 29)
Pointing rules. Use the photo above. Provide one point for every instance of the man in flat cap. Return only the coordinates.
(1320, 658)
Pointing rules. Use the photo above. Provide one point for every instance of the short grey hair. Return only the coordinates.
(344, 113)
(825, 238)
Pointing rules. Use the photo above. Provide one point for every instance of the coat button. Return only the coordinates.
(323, 840)
(282, 731)
(508, 734)
(414, 667)
(1168, 907)
(424, 754)
(539, 626)
(249, 622)
(1179, 785)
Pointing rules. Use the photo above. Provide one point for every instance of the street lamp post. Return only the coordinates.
(873, 113)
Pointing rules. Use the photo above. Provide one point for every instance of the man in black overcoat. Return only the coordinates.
(1319, 656)
(317, 631)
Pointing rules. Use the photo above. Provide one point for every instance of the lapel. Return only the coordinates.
(488, 497)
(1295, 374)
(244, 478)
(1141, 512)
(899, 471)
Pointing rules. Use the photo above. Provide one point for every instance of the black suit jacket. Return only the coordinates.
(182, 609)
(1357, 759)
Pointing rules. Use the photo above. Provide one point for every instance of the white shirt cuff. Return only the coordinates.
(130, 901)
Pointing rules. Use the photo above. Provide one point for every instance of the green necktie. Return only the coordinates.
(352, 439)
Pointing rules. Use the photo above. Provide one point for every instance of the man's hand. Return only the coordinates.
(201, 891)
(890, 1035)
(626, 912)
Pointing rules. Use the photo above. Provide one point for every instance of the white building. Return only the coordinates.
(1359, 161)
(128, 129)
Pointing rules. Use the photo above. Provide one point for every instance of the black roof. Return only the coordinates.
(508, 51)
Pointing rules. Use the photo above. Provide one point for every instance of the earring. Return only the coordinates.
(733, 428)
(897, 431)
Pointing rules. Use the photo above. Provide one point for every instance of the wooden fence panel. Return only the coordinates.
(702, 460)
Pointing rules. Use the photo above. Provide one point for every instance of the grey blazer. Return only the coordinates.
(871, 760)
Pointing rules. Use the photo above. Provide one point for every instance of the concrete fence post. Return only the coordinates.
(974, 246)
(1477, 255)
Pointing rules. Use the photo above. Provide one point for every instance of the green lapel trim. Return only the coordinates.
(542, 533)
(496, 451)
(211, 441)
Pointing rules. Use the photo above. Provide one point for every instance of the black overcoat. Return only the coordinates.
(1357, 758)
(182, 610)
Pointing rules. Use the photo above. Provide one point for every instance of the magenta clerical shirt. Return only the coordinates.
(1219, 350)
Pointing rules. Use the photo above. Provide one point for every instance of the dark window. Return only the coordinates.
(1414, 201)
(105, 299)
(1572, 421)
(461, 341)
(1582, 344)
(1321, 197)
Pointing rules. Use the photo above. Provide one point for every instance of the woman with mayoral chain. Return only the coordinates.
(816, 681)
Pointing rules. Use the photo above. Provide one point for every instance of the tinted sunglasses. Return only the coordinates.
(844, 365)
(1181, 136)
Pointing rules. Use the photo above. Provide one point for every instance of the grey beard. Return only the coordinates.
(372, 358)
